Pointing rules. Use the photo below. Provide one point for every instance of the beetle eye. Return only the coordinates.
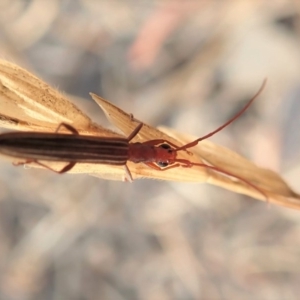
(162, 164)
(165, 146)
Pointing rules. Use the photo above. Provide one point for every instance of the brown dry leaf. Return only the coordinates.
(27, 103)
(271, 183)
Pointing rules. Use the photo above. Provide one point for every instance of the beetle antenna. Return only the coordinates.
(194, 143)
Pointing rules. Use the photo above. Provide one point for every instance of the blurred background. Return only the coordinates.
(189, 65)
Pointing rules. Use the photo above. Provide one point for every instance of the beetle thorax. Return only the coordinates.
(139, 152)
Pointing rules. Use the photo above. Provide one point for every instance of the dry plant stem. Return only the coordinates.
(25, 99)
